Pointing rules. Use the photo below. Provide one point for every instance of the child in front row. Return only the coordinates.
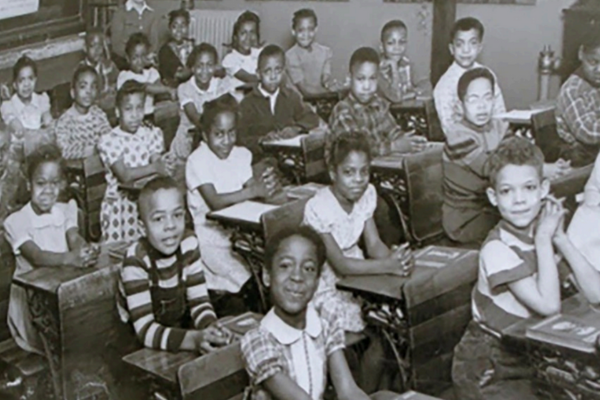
(272, 110)
(518, 275)
(363, 110)
(137, 49)
(44, 233)
(27, 113)
(219, 174)
(242, 62)
(130, 152)
(343, 215)
(79, 129)
(296, 347)
(395, 69)
(308, 63)
(465, 45)
(162, 290)
(203, 86)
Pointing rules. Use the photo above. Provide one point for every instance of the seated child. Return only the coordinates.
(308, 63)
(203, 86)
(295, 348)
(343, 215)
(272, 110)
(97, 56)
(242, 62)
(161, 283)
(27, 113)
(518, 275)
(137, 55)
(395, 70)
(219, 174)
(81, 126)
(467, 215)
(465, 45)
(43, 233)
(134, 16)
(577, 117)
(130, 152)
(173, 55)
(364, 111)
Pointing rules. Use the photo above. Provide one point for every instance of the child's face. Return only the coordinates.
(519, 193)
(222, 135)
(179, 29)
(45, 185)
(138, 58)
(305, 31)
(270, 73)
(590, 63)
(131, 112)
(204, 68)
(394, 44)
(363, 80)
(351, 177)
(85, 91)
(25, 83)
(479, 101)
(293, 276)
(465, 48)
(247, 37)
(163, 215)
(95, 48)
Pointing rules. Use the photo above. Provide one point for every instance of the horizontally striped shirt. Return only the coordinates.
(135, 299)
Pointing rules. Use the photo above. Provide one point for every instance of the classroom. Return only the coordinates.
(299, 199)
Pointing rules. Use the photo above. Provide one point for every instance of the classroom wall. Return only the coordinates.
(515, 34)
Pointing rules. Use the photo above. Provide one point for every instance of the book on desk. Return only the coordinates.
(578, 332)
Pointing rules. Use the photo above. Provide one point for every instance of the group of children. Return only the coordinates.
(175, 284)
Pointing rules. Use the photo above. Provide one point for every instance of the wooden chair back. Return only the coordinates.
(95, 187)
(289, 215)
(545, 134)
(435, 134)
(313, 150)
(423, 175)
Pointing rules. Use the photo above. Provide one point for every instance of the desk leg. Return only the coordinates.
(44, 311)
(250, 246)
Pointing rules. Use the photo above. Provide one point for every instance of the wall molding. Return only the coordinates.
(39, 51)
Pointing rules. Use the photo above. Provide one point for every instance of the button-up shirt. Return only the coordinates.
(271, 96)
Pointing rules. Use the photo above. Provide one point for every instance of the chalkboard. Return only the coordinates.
(24, 22)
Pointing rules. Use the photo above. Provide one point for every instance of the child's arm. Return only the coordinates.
(345, 386)
(375, 247)
(304, 117)
(581, 117)
(218, 201)
(42, 258)
(390, 88)
(127, 174)
(156, 87)
(281, 387)
(74, 239)
(193, 115)
(246, 76)
(542, 294)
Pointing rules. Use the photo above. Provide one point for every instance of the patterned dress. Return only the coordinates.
(119, 215)
(324, 214)
(75, 133)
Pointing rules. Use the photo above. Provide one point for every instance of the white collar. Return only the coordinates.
(288, 335)
(129, 5)
(456, 66)
(19, 103)
(267, 94)
(54, 217)
(212, 85)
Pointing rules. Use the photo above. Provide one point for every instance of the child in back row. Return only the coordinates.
(308, 63)
(173, 55)
(131, 151)
(97, 56)
(295, 348)
(395, 69)
(242, 61)
(518, 275)
(363, 110)
(465, 46)
(203, 86)
(272, 110)
(219, 174)
(162, 290)
(44, 233)
(79, 129)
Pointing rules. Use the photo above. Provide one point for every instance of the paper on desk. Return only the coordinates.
(246, 211)
(517, 116)
(291, 142)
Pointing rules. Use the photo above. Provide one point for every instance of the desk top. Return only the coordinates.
(137, 185)
(394, 160)
(571, 183)
(50, 279)
(293, 143)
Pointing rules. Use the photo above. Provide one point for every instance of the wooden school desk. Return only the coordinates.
(75, 312)
(561, 372)
(422, 316)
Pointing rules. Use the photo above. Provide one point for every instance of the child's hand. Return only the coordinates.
(551, 217)
(46, 119)
(17, 128)
(557, 169)
(417, 143)
(289, 132)
(258, 188)
(220, 72)
(161, 167)
(271, 181)
(270, 137)
(210, 339)
(406, 257)
(5, 92)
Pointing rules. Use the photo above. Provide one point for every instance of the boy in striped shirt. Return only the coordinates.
(161, 284)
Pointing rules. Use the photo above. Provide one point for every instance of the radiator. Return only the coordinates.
(214, 27)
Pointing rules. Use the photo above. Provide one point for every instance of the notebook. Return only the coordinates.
(438, 257)
(249, 211)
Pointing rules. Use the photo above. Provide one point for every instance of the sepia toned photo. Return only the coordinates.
(299, 199)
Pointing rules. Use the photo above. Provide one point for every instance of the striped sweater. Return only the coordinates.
(135, 302)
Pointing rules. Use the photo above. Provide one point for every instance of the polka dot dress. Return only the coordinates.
(119, 215)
